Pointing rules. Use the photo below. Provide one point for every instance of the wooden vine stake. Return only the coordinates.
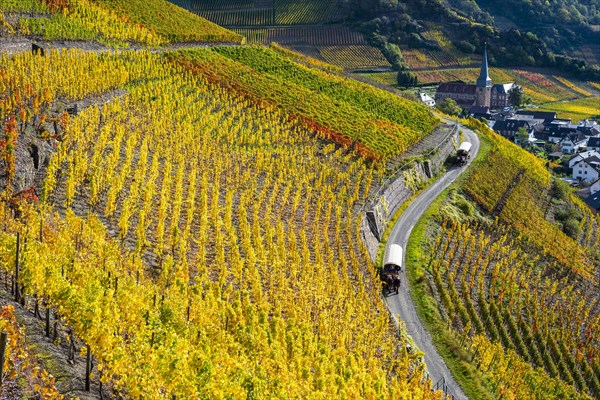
(47, 320)
(88, 368)
(17, 267)
(3, 338)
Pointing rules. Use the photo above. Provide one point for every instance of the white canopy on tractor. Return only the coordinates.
(393, 258)
(465, 147)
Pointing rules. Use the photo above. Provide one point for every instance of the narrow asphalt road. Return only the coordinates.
(401, 304)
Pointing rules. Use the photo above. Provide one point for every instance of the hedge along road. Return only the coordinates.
(402, 304)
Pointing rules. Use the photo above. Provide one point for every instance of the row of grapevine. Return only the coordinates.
(382, 104)
(220, 5)
(291, 12)
(233, 240)
(576, 88)
(251, 17)
(325, 35)
(22, 371)
(354, 57)
(577, 110)
(419, 59)
(522, 202)
(543, 84)
(118, 22)
(491, 286)
(305, 57)
(378, 124)
(280, 12)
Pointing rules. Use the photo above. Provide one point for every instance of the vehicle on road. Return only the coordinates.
(392, 266)
(464, 153)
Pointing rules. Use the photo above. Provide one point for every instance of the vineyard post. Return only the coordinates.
(88, 368)
(2, 354)
(17, 267)
(47, 320)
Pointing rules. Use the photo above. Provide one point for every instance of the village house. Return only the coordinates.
(582, 156)
(587, 170)
(463, 94)
(593, 201)
(595, 187)
(426, 99)
(593, 143)
(546, 116)
(553, 133)
(509, 128)
(573, 142)
(480, 112)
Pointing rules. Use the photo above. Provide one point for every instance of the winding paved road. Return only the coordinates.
(401, 305)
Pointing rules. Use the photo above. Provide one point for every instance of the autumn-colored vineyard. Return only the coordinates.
(513, 185)
(515, 291)
(377, 124)
(490, 285)
(203, 246)
(265, 12)
(354, 57)
(114, 22)
(22, 372)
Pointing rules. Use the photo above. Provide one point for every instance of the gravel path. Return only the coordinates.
(401, 305)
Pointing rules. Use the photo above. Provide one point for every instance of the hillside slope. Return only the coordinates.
(113, 22)
(511, 278)
(456, 30)
(200, 242)
(378, 124)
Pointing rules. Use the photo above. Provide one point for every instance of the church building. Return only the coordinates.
(482, 93)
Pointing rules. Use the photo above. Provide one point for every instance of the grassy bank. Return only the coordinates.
(450, 347)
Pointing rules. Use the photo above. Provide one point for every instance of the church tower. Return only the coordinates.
(484, 84)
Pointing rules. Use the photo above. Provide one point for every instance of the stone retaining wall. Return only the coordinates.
(379, 212)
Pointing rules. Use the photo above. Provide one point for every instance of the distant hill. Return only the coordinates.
(556, 34)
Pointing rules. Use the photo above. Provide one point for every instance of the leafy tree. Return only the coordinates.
(522, 136)
(449, 106)
(406, 78)
(516, 96)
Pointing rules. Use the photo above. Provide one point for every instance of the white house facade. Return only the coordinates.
(583, 156)
(587, 170)
(427, 100)
(595, 187)
(572, 145)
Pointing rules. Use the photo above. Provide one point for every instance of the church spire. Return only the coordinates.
(484, 77)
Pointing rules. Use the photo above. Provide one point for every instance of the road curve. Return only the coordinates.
(401, 305)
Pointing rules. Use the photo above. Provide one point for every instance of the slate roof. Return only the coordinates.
(558, 130)
(594, 142)
(457, 88)
(576, 137)
(589, 130)
(502, 87)
(484, 79)
(479, 110)
(592, 161)
(510, 125)
(545, 115)
(593, 201)
(581, 156)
